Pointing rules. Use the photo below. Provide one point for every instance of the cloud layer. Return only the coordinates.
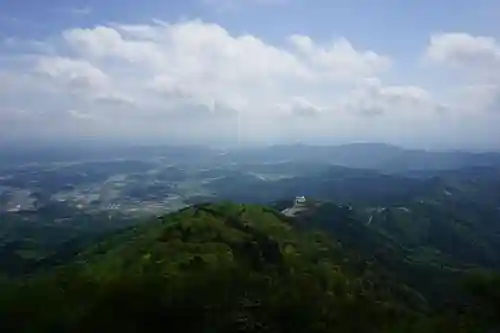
(195, 82)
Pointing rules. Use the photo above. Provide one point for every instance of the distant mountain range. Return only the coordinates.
(360, 186)
(381, 157)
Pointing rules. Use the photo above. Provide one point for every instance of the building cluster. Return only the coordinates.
(300, 201)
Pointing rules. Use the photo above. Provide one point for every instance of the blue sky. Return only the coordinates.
(400, 27)
(415, 73)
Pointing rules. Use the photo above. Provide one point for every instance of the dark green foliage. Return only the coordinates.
(209, 268)
(234, 268)
(53, 235)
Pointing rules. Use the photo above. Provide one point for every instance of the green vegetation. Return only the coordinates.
(237, 268)
(30, 241)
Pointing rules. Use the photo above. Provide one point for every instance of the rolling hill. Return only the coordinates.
(227, 268)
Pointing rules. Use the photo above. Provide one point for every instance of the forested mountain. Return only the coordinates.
(51, 235)
(409, 248)
(239, 268)
(363, 186)
(382, 157)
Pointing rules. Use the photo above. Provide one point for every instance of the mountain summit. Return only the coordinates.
(216, 268)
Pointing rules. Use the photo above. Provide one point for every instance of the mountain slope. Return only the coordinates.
(429, 244)
(381, 157)
(229, 268)
(207, 268)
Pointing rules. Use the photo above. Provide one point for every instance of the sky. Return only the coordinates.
(423, 74)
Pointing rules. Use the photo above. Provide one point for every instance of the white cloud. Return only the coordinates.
(297, 106)
(197, 82)
(202, 62)
(232, 5)
(75, 11)
(461, 49)
(476, 56)
(340, 59)
(72, 71)
(374, 98)
(477, 60)
(80, 115)
(302, 107)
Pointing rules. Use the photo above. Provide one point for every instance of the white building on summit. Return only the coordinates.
(299, 204)
(300, 200)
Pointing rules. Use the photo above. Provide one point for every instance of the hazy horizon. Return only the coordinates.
(251, 72)
(26, 148)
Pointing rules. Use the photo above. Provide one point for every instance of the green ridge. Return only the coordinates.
(220, 268)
